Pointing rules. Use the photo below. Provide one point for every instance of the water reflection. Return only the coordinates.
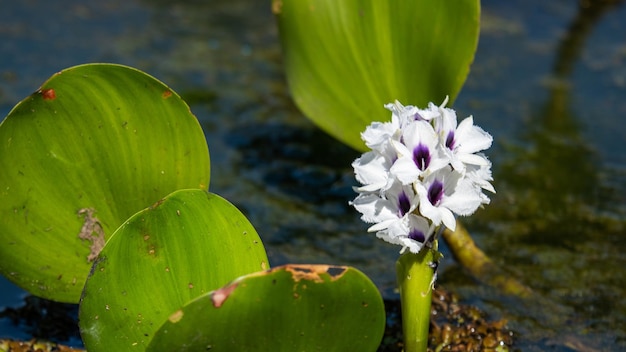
(550, 220)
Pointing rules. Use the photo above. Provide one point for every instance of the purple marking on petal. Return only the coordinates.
(450, 140)
(404, 204)
(435, 192)
(417, 117)
(417, 235)
(421, 156)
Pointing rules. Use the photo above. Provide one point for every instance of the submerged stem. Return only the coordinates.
(479, 264)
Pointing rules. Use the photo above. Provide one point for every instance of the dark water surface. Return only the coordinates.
(549, 82)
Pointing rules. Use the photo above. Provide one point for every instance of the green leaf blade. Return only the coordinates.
(346, 59)
(186, 245)
(102, 137)
(288, 308)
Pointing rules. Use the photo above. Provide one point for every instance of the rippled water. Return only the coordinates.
(549, 82)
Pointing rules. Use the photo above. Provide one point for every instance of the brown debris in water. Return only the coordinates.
(457, 327)
(34, 345)
(453, 327)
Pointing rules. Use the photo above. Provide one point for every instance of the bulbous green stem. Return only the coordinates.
(415, 274)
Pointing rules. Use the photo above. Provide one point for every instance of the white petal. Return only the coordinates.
(487, 186)
(398, 229)
(384, 235)
(421, 132)
(481, 175)
(470, 138)
(378, 133)
(400, 148)
(371, 187)
(381, 225)
(429, 211)
(373, 208)
(447, 218)
(412, 246)
(447, 123)
(405, 170)
(438, 160)
(371, 168)
(465, 199)
(395, 191)
(474, 159)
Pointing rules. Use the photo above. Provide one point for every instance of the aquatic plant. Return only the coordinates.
(105, 174)
(422, 170)
(419, 169)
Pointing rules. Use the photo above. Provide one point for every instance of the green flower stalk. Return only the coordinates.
(416, 276)
(422, 171)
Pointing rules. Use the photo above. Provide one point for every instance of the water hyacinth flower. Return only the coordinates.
(423, 169)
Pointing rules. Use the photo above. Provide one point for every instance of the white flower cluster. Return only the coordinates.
(422, 169)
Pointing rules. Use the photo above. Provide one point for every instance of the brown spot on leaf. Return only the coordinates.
(218, 297)
(48, 94)
(312, 272)
(167, 94)
(92, 231)
(176, 316)
(157, 204)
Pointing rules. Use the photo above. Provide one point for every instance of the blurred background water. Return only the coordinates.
(548, 82)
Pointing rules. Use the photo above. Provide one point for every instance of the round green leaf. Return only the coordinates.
(289, 308)
(94, 145)
(188, 244)
(346, 59)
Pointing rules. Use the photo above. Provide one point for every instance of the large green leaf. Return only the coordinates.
(346, 59)
(94, 145)
(289, 308)
(188, 244)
